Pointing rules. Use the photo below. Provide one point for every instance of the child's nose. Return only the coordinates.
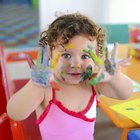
(76, 63)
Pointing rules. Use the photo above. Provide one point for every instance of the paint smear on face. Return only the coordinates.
(61, 70)
(61, 75)
(54, 62)
(82, 50)
(87, 73)
(76, 66)
(70, 46)
(94, 57)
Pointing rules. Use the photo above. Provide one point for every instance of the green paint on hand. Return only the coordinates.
(94, 57)
(96, 80)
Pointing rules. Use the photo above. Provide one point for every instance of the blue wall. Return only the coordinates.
(117, 32)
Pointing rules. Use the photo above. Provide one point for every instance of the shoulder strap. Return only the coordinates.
(93, 90)
(53, 94)
(94, 93)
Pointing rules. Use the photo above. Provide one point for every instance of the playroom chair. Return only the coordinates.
(10, 129)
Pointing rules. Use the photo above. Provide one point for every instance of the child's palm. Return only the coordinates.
(40, 72)
(111, 67)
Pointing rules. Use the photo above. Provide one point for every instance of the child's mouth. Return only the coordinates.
(76, 75)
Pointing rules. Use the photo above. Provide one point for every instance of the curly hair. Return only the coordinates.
(65, 27)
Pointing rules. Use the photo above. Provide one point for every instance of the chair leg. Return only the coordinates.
(125, 132)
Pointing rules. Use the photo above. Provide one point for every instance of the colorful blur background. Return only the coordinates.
(22, 21)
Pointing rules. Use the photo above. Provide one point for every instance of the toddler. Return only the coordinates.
(73, 67)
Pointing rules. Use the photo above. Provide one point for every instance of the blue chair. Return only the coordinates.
(133, 135)
(7, 1)
(26, 2)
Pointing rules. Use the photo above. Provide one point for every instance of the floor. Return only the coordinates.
(19, 31)
(104, 129)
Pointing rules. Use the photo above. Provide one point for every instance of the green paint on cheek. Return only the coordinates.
(96, 80)
(61, 75)
(87, 73)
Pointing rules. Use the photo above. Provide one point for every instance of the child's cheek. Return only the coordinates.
(63, 62)
(88, 62)
(61, 66)
(61, 70)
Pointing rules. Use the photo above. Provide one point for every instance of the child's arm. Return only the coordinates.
(119, 87)
(25, 101)
(110, 81)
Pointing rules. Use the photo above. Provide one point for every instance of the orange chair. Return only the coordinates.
(10, 129)
(5, 131)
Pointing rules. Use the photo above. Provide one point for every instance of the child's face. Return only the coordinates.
(70, 62)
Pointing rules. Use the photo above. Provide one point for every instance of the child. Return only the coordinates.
(82, 69)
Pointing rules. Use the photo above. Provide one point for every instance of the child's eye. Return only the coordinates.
(85, 56)
(66, 55)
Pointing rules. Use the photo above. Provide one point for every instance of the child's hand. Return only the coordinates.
(40, 72)
(111, 68)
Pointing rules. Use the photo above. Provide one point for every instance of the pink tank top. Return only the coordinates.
(60, 123)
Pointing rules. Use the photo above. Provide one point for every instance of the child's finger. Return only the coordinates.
(45, 57)
(124, 61)
(40, 55)
(29, 60)
(109, 65)
(96, 77)
(114, 53)
(96, 59)
(93, 56)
